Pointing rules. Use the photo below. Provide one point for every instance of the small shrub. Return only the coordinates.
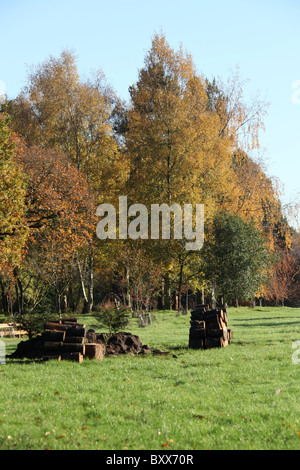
(112, 317)
(34, 322)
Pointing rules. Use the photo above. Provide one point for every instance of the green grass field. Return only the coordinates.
(244, 396)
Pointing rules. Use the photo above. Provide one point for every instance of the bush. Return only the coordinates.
(33, 323)
(112, 317)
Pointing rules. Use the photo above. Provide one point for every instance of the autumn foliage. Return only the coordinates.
(71, 144)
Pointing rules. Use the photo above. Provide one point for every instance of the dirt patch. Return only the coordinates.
(30, 349)
(119, 343)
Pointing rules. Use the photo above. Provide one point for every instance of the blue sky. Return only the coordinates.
(261, 37)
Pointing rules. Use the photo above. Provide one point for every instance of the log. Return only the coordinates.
(202, 307)
(213, 326)
(197, 333)
(197, 324)
(213, 343)
(224, 317)
(53, 335)
(74, 339)
(69, 320)
(198, 316)
(217, 333)
(55, 326)
(53, 346)
(56, 357)
(197, 343)
(213, 312)
(72, 324)
(216, 343)
(72, 347)
(95, 351)
(212, 318)
(74, 356)
(75, 331)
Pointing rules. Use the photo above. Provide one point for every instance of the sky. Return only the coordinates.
(261, 37)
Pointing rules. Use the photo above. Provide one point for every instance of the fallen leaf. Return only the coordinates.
(166, 444)
(198, 416)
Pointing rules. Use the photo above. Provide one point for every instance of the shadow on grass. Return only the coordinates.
(280, 317)
(269, 324)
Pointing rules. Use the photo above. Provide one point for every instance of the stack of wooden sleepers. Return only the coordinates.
(64, 340)
(209, 328)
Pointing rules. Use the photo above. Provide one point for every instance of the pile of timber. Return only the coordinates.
(64, 340)
(209, 328)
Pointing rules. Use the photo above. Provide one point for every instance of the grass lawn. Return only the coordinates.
(244, 396)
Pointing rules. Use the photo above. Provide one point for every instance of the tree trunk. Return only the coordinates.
(202, 296)
(88, 294)
(213, 294)
(81, 281)
(4, 297)
(187, 301)
(127, 277)
(91, 282)
(167, 292)
(19, 292)
(180, 287)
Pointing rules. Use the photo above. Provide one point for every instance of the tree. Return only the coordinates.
(176, 151)
(13, 227)
(112, 317)
(283, 278)
(236, 258)
(60, 216)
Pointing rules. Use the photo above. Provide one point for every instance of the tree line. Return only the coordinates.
(68, 145)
